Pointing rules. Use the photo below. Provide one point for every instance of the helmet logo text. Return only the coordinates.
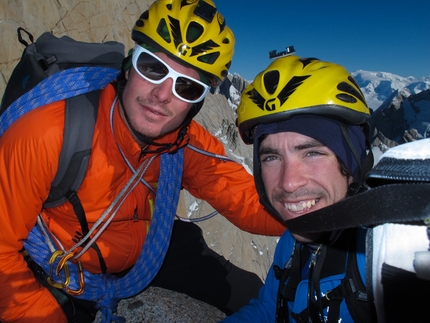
(272, 103)
(183, 49)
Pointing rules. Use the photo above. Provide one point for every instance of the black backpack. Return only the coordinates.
(43, 75)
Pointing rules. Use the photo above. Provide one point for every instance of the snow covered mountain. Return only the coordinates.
(377, 87)
(401, 107)
(380, 86)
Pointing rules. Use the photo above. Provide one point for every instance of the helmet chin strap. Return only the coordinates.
(183, 128)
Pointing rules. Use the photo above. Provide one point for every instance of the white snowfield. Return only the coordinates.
(419, 149)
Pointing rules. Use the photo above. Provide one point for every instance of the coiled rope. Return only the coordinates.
(106, 290)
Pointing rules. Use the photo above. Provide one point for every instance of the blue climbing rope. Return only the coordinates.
(106, 290)
(59, 86)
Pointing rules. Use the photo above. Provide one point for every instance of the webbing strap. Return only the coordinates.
(402, 203)
(82, 218)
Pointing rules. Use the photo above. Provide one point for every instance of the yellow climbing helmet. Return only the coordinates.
(192, 31)
(291, 85)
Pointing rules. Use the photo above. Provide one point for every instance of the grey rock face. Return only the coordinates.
(401, 119)
(157, 305)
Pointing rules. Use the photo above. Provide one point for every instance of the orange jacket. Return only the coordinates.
(29, 153)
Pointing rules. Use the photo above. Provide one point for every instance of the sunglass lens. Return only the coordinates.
(151, 67)
(188, 89)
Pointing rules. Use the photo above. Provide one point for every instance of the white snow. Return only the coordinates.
(192, 208)
(379, 86)
(241, 160)
(419, 149)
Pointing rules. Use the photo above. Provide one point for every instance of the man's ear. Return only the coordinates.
(126, 74)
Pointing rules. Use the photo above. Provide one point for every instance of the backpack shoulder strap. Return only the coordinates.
(352, 288)
(80, 118)
(360, 301)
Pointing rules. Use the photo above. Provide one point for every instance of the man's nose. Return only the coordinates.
(292, 176)
(163, 92)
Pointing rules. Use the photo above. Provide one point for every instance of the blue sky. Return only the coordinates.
(387, 36)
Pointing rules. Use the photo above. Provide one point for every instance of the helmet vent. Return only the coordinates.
(346, 98)
(163, 31)
(194, 31)
(144, 15)
(350, 91)
(271, 81)
(351, 79)
(209, 58)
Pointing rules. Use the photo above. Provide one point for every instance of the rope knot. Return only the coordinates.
(107, 303)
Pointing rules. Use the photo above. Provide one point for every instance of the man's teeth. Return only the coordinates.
(300, 206)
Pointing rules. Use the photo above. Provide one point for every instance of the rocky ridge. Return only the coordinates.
(401, 118)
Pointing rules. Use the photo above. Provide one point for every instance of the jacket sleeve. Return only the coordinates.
(263, 308)
(226, 186)
(28, 162)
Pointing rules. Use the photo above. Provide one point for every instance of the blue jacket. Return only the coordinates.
(263, 309)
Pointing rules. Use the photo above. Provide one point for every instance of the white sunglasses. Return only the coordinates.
(154, 70)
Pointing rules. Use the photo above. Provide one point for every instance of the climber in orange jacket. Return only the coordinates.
(139, 118)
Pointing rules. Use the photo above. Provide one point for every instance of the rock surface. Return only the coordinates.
(401, 118)
(160, 305)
